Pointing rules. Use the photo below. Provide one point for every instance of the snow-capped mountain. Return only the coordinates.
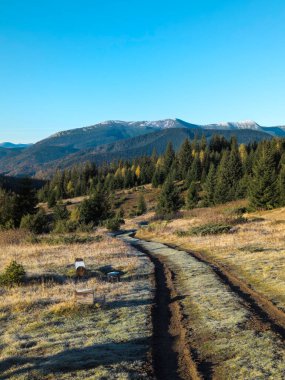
(230, 125)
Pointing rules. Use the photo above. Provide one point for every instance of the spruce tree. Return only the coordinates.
(229, 175)
(192, 196)
(169, 157)
(281, 180)
(95, 209)
(169, 200)
(141, 207)
(209, 187)
(194, 174)
(223, 186)
(264, 191)
(158, 177)
(185, 158)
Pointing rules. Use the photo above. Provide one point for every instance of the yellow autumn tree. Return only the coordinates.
(159, 162)
(118, 172)
(242, 152)
(138, 171)
(202, 156)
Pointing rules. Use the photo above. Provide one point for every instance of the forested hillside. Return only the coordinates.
(62, 151)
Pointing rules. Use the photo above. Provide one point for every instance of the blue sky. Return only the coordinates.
(67, 64)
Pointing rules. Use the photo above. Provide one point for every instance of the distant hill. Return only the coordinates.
(9, 145)
(247, 124)
(7, 152)
(118, 139)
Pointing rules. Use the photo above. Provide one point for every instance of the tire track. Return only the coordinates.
(268, 313)
(171, 353)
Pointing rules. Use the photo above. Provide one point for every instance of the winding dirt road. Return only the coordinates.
(189, 289)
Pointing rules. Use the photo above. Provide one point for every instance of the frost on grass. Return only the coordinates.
(45, 335)
(221, 328)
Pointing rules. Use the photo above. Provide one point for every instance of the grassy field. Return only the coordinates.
(230, 340)
(45, 335)
(254, 249)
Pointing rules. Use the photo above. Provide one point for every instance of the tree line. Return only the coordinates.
(208, 172)
(212, 172)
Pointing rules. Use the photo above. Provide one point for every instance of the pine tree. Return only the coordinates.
(95, 209)
(194, 174)
(192, 196)
(281, 180)
(169, 157)
(209, 187)
(264, 192)
(223, 186)
(158, 177)
(169, 200)
(51, 199)
(141, 207)
(185, 158)
(229, 175)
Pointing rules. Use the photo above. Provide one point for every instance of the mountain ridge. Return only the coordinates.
(118, 139)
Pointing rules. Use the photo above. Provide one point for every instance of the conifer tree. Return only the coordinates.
(281, 183)
(169, 200)
(158, 177)
(264, 192)
(281, 180)
(209, 187)
(229, 175)
(223, 186)
(195, 172)
(141, 208)
(169, 157)
(185, 158)
(95, 209)
(192, 196)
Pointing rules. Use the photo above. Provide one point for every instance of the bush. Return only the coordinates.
(113, 224)
(62, 226)
(141, 207)
(13, 274)
(60, 212)
(95, 209)
(210, 229)
(69, 239)
(37, 223)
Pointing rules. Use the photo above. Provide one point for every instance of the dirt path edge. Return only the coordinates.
(262, 306)
(172, 360)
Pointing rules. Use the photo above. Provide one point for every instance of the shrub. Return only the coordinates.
(210, 229)
(13, 274)
(62, 226)
(113, 224)
(69, 239)
(37, 223)
(141, 207)
(60, 212)
(95, 209)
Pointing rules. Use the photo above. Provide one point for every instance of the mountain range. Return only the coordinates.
(9, 145)
(114, 139)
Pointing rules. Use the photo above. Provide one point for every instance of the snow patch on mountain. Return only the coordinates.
(246, 124)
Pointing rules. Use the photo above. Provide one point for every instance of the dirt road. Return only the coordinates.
(205, 326)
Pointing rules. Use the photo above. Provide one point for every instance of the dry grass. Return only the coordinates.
(45, 335)
(222, 330)
(255, 252)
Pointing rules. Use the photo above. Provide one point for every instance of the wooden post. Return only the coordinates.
(84, 296)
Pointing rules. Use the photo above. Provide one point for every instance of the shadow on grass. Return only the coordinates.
(76, 359)
(129, 303)
(45, 278)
